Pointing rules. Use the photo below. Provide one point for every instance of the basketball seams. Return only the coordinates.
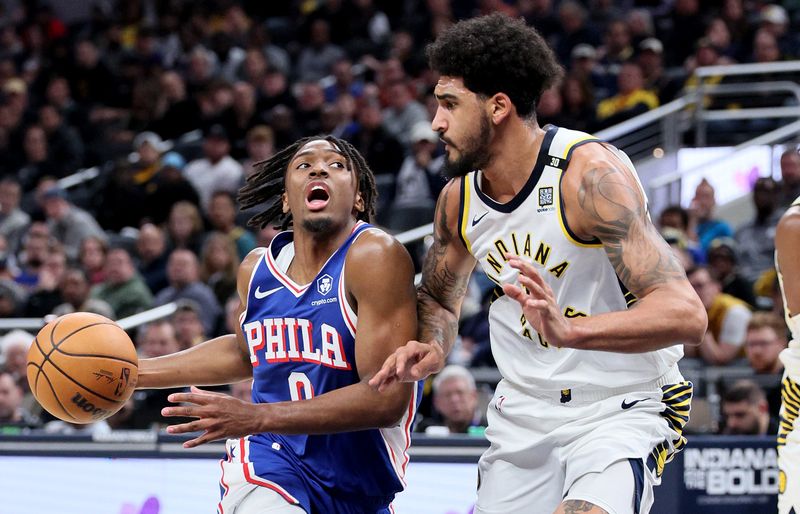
(99, 356)
(55, 394)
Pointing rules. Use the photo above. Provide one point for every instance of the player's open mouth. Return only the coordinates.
(317, 196)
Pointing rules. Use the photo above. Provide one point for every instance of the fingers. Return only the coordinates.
(386, 375)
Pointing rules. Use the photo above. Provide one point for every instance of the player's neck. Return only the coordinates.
(312, 251)
(510, 168)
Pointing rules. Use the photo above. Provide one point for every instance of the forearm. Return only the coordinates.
(214, 362)
(657, 321)
(351, 408)
(436, 322)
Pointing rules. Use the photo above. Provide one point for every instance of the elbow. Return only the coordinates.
(695, 320)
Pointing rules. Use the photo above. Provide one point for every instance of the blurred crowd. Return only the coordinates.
(126, 132)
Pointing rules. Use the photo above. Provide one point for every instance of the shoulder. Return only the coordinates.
(790, 221)
(246, 269)
(375, 248)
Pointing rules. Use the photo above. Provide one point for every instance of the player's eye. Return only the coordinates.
(337, 164)
(303, 165)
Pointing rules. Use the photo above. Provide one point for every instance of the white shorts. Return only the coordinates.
(545, 448)
(789, 448)
(240, 496)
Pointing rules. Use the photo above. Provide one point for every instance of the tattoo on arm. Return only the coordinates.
(442, 287)
(578, 506)
(617, 216)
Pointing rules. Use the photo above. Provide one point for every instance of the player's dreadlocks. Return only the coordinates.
(267, 184)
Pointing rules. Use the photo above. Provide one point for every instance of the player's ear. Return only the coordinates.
(359, 205)
(499, 107)
(284, 202)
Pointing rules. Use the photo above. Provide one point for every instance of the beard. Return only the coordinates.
(318, 226)
(474, 152)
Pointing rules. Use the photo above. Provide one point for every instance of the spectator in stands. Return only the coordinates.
(575, 29)
(403, 112)
(755, 239)
(123, 289)
(790, 177)
(745, 410)
(185, 227)
(631, 100)
(617, 48)
(584, 66)
(703, 227)
(64, 144)
(217, 170)
(765, 47)
(455, 398)
(766, 337)
(46, 295)
(154, 339)
(259, 145)
(317, 59)
(169, 187)
(240, 117)
(12, 413)
(92, 258)
(578, 104)
(775, 20)
(74, 289)
(677, 218)
(13, 220)
(36, 163)
(651, 62)
(183, 274)
(189, 329)
(310, 101)
(380, 149)
(35, 245)
(344, 81)
(222, 217)
(151, 249)
(68, 223)
(683, 25)
(727, 320)
(419, 180)
(219, 263)
(723, 262)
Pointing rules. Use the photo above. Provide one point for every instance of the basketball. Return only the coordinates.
(82, 367)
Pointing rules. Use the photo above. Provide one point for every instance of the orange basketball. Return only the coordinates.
(82, 367)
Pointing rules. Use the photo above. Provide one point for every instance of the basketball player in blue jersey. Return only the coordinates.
(321, 310)
(787, 263)
(590, 307)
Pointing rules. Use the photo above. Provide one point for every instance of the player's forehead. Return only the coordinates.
(449, 86)
(317, 148)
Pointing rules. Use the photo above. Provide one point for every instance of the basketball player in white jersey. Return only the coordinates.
(590, 308)
(787, 262)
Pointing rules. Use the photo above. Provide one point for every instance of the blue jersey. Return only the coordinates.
(302, 344)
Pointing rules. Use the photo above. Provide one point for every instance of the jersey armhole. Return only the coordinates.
(562, 215)
(463, 211)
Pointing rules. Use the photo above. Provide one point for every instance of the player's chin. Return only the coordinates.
(317, 223)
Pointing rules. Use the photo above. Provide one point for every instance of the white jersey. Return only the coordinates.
(533, 225)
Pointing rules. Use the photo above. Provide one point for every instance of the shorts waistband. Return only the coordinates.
(587, 395)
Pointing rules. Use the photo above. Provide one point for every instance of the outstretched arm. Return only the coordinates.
(445, 275)
(603, 199)
(222, 360)
(380, 279)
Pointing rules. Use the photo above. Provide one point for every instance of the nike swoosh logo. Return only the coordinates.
(626, 405)
(476, 219)
(259, 294)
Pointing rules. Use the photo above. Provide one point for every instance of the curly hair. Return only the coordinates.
(494, 54)
(267, 184)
